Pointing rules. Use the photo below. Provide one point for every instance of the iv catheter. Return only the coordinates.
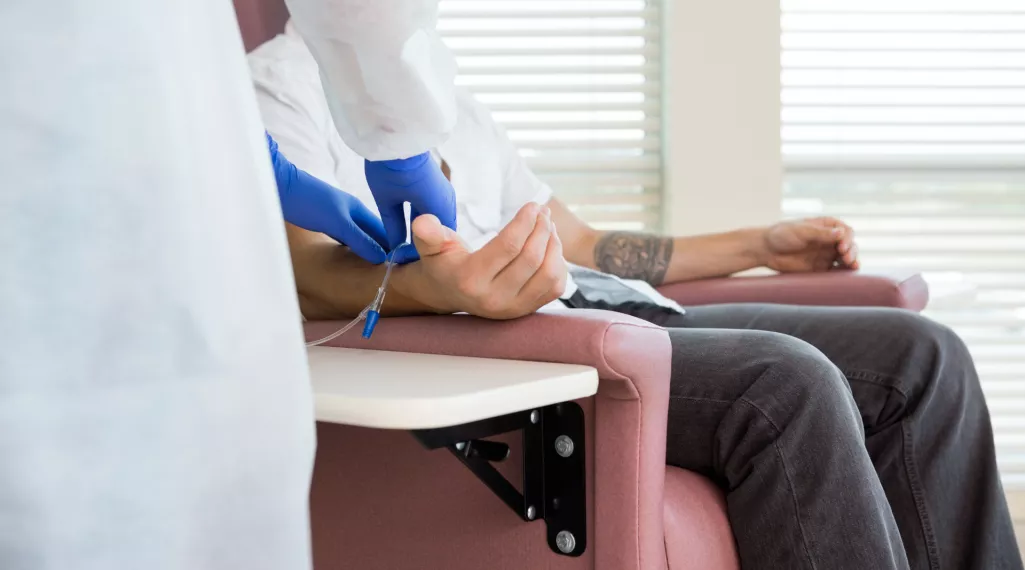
(372, 311)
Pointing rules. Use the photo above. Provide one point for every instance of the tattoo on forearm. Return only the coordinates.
(634, 256)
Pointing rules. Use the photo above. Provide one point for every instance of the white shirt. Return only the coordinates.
(491, 180)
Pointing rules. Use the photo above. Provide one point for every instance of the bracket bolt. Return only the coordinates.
(535, 417)
(565, 541)
(531, 513)
(564, 446)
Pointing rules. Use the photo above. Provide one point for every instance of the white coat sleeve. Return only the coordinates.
(386, 73)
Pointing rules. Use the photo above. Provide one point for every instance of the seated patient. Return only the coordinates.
(843, 438)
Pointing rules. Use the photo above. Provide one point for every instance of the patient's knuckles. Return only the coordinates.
(507, 245)
(534, 258)
(557, 249)
(560, 283)
(553, 273)
(554, 267)
(551, 296)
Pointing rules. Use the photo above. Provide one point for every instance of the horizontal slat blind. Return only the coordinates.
(576, 85)
(907, 119)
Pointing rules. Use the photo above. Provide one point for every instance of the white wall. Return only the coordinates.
(722, 100)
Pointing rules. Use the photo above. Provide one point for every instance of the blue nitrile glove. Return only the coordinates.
(315, 205)
(417, 180)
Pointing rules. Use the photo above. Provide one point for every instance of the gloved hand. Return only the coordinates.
(315, 205)
(417, 180)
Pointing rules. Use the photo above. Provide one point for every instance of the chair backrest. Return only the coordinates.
(260, 20)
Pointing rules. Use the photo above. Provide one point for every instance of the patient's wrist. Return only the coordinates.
(754, 246)
(416, 292)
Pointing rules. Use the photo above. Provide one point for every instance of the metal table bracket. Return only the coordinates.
(553, 467)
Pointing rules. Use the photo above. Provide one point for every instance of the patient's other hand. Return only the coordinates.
(814, 244)
(516, 273)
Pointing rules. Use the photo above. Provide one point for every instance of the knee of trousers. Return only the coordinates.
(801, 389)
(934, 358)
(797, 404)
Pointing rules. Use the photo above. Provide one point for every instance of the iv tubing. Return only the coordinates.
(371, 312)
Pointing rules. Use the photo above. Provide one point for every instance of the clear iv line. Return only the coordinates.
(371, 312)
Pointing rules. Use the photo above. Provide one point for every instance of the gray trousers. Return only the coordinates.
(844, 438)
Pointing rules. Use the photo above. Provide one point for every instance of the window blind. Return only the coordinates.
(907, 119)
(576, 84)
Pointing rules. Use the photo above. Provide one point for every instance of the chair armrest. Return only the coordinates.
(633, 359)
(845, 288)
(588, 337)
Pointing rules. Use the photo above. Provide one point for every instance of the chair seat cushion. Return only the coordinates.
(698, 535)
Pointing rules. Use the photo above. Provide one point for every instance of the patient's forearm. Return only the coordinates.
(653, 258)
(334, 283)
(657, 259)
(634, 256)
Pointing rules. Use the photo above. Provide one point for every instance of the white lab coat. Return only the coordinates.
(155, 408)
(386, 73)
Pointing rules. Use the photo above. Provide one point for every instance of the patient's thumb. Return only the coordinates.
(431, 237)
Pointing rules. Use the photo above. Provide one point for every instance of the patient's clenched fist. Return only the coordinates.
(514, 274)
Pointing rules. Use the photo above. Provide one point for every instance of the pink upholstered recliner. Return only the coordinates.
(381, 501)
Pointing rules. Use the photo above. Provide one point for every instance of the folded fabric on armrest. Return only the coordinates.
(844, 288)
(633, 359)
